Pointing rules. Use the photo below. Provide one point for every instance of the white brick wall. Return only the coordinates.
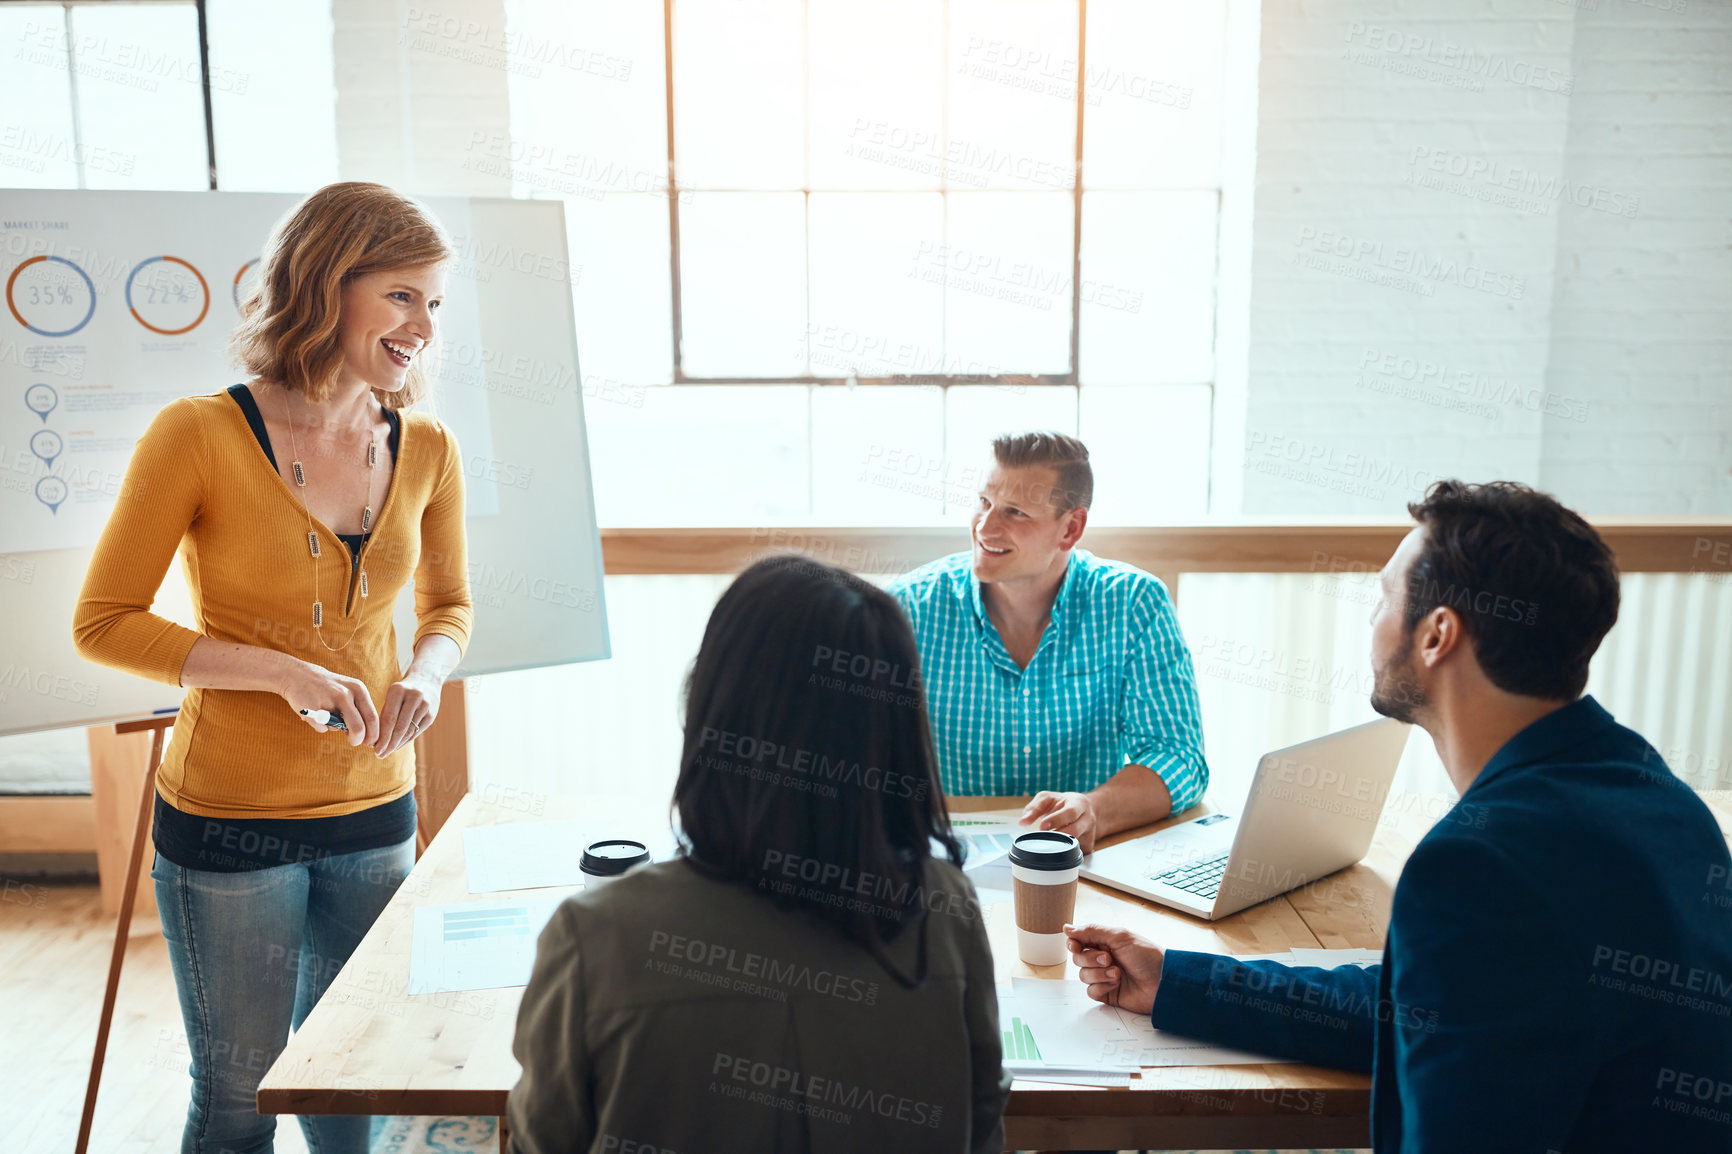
(1642, 313)
(415, 83)
(1447, 278)
(1425, 295)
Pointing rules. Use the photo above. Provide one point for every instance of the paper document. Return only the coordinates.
(1065, 1026)
(1079, 1076)
(1072, 1030)
(524, 855)
(986, 855)
(1022, 1055)
(1329, 959)
(985, 838)
(476, 945)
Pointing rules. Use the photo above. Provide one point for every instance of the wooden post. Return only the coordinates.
(441, 765)
(1170, 578)
(120, 760)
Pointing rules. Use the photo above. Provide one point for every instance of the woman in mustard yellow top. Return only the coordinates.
(301, 502)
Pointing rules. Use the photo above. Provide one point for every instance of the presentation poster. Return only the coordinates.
(118, 303)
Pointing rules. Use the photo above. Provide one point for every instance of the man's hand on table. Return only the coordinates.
(1135, 795)
(1119, 968)
(1072, 813)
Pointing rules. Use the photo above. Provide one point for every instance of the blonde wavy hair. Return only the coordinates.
(288, 329)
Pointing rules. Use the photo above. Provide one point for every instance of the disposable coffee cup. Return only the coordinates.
(1044, 867)
(604, 861)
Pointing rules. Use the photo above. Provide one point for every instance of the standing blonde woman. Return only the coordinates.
(302, 501)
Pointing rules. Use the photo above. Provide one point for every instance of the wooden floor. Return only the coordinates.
(54, 950)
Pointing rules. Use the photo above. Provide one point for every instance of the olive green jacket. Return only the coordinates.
(670, 1012)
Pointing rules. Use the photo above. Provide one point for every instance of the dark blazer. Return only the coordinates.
(1558, 970)
(669, 1011)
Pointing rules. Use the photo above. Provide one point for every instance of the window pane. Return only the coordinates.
(701, 455)
(623, 306)
(37, 145)
(1148, 291)
(139, 89)
(739, 97)
(974, 414)
(743, 284)
(1149, 446)
(588, 99)
(1006, 261)
(878, 456)
(1152, 104)
(1012, 99)
(273, 95)
(876, 92)
(872, 314)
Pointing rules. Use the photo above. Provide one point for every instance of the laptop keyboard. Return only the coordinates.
(1201, 877)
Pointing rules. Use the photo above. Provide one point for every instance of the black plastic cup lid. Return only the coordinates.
(613, 857)
(1046, 849)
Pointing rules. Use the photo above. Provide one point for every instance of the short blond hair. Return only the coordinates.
(288, 330)
(1068, 456)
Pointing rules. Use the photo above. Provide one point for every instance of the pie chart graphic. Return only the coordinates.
(48, 445)
(51, 296)
(51, 491)
(167, 295)
(245, 276)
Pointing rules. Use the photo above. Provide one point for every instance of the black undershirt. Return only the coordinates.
(237, 845)
(255, 420)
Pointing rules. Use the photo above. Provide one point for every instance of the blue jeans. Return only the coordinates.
(252, 953)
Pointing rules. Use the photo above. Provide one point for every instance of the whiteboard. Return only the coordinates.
(119, 302)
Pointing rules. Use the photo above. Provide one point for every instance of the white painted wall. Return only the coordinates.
(421, 93)
(1491, 242)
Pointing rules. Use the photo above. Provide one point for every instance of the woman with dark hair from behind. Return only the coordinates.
(811, 974)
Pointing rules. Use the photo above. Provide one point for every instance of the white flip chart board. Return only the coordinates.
(118, 302)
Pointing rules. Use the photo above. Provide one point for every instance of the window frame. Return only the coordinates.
(1070, 379)
(66, 7)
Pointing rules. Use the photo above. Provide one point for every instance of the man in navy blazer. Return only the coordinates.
(1557, 974)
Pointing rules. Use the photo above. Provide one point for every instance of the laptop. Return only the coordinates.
(1312, 810)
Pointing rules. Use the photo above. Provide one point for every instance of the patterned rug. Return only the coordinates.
(428, 1135)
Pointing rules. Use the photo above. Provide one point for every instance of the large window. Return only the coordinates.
(109, 96)
(857, 249)
(859, 246)
(101, 96)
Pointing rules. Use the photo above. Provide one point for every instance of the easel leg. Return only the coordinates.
(118, 957)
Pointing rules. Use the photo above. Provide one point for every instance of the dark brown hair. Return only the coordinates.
(788, 763)
(1067, 455)
(1534, 585)
(288, 331)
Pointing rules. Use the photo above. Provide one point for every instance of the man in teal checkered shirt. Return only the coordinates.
(1049, 670)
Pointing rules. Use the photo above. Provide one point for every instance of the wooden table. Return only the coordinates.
(370, 1048)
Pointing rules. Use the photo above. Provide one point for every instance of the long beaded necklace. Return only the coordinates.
(313, 534)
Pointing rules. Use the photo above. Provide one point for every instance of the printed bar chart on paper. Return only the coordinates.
(1076, 1031)
(476, 945)
(1019, 1042)
(986, 854)
(984, 839)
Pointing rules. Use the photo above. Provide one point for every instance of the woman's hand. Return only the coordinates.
(310, 686)
(410, 707)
